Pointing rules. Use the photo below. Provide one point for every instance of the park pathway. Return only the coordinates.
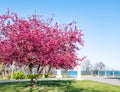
(109, 80)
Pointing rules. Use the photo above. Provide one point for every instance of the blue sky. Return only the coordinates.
(99, 20)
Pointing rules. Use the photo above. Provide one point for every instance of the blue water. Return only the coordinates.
(74, 73)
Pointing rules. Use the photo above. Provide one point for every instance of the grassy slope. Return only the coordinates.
(60, 86)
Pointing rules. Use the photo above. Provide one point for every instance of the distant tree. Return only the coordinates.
(99, 66)
(87, 67)
(34, 42)
(4, 69)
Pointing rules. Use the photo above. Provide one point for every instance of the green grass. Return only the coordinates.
(59, 86)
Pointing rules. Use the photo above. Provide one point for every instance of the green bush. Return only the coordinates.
(46, 75)
(29, 76)
(8, 76)
(40, 75)
(18, 75)
(34, 76)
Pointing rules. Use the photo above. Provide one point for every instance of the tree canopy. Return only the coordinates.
(34, 41)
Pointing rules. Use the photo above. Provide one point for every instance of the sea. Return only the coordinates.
(108, 72)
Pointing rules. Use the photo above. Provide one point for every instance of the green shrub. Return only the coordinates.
(34, 76)
(46, 75)
(18, 75)
(29, 76)
(40, 75)
(8, 76)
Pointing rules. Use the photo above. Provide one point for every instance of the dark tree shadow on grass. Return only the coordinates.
(48, 85)
(63, 85)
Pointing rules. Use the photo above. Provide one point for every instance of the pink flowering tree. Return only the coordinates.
(35, 42)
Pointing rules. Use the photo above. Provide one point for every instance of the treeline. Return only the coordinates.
(97, 69)
(15, 71)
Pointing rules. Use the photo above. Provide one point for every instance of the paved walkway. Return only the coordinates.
(26, 80)
(110, 80)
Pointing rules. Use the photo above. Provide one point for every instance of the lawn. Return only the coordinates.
(59, 86)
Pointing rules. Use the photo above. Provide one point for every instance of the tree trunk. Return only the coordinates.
(49, 70)
(37, 74)
(31, 76)
(5, 72)
(41, 70)
(98, 73)
(13, 69)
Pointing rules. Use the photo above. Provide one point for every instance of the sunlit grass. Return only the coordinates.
(59, 86)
